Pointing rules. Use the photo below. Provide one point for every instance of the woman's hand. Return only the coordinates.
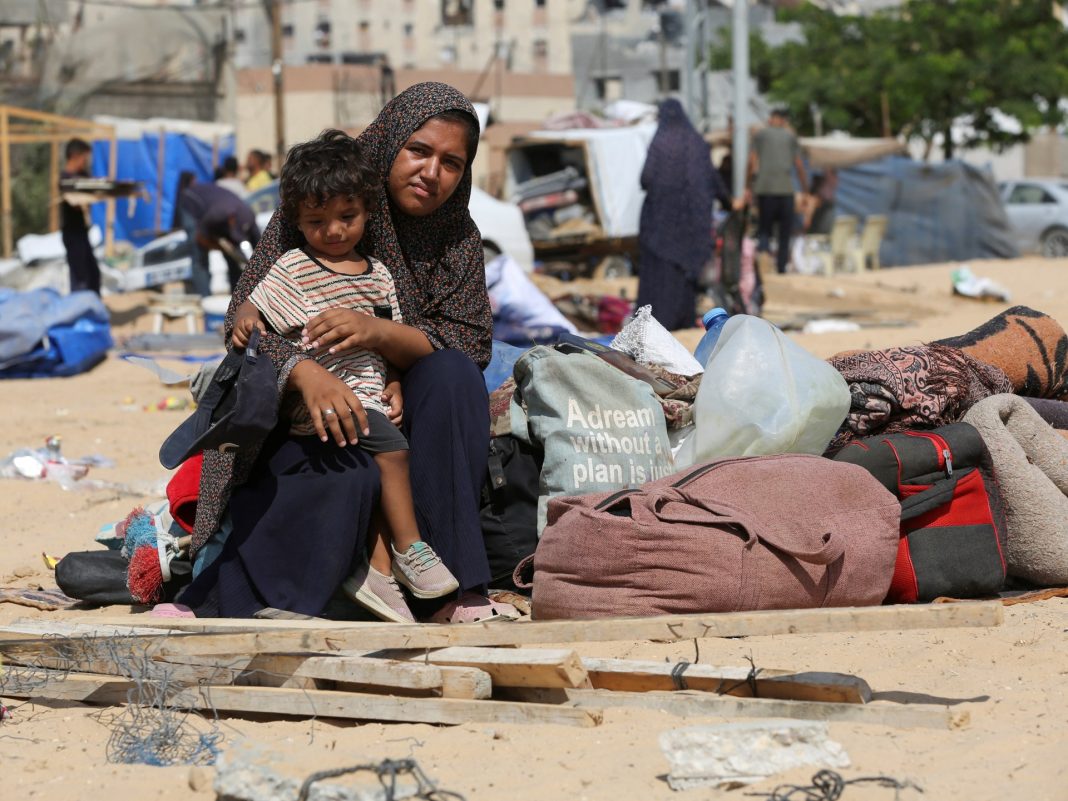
(393, 399)
(334, 408)
(336, 330)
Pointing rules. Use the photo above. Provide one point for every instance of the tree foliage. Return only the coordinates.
(998, 68)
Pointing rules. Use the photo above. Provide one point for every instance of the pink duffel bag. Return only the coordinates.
(768, 532)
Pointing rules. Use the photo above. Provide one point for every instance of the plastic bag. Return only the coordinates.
(763, 394)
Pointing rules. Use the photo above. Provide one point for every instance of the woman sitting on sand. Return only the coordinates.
(292, 553)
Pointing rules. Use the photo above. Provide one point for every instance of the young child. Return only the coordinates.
(327, 192)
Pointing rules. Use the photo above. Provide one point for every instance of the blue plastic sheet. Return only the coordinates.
(137, 161)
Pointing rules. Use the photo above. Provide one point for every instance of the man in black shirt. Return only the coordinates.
(210, 213)
(84, 271)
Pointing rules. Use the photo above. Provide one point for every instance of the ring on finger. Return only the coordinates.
(328, 412)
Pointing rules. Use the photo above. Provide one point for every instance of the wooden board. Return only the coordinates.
(306, 636)
(318, 703)
(697, 704)
(629, 675)
(508, 667)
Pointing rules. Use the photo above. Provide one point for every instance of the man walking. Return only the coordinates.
(81, 261)
(774, 156)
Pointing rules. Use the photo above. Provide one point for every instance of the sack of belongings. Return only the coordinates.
(770, 532)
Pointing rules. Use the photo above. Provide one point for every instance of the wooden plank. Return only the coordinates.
(627, 675)
(318, 703)
(354, 672)
(303, 636)
(508, 667)
(687, 704)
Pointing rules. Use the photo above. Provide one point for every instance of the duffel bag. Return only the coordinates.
(768, 532)
(952, 523)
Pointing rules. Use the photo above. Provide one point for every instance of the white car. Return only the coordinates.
(1038, 213)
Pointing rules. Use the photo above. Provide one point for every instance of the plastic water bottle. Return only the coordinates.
(714, 320)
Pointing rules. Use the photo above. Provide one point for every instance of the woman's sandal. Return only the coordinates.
(171, 610)
(474, 608)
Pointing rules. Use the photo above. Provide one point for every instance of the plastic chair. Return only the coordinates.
(866, 254)
(835, 250)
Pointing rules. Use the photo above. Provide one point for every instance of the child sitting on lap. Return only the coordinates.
(327, 191)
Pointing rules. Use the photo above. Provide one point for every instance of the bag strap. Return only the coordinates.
(702, 511)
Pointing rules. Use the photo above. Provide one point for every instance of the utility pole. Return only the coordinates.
(740, 69)
(274, 9)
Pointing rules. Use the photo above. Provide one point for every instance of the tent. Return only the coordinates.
(936, 212)
(155, 152)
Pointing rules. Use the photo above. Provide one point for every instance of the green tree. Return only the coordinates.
(997, 66)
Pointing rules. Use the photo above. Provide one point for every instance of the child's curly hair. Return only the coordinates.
(330, 165)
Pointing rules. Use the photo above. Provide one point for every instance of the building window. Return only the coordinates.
(364, 39)
(239, 35)
(287, 31)
(498, 5)
(409, 29)
(457, 12)
(608, 88)
(541, 55)
(539, 3)
(670, 78)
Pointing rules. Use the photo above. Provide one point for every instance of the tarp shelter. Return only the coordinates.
(155, 152)
(614, 158)
(21, 126)
(936, 212)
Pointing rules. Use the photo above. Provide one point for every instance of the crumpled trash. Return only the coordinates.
(49, 463)
(829, 325)
(969, 285)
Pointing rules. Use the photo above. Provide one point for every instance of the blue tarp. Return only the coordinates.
(44, 334)
(937, 212)
(138, 161)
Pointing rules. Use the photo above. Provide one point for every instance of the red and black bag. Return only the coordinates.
(952, 522)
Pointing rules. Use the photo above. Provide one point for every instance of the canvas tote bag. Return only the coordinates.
(599, 429)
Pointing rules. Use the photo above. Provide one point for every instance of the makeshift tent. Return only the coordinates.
(937, 212)
(44, 334)
(156, 152)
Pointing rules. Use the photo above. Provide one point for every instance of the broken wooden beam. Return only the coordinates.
(686, 704)
(302, 636)
(508, 667)
(628, 675)
(289, 702)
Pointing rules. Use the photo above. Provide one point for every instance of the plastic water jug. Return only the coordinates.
(713, 321)
(761, 394)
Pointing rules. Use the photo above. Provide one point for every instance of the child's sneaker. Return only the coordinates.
(422, 571)
(381, 595)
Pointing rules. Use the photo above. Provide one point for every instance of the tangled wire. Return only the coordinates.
(154, 727)
(829, 786)
(387, 771)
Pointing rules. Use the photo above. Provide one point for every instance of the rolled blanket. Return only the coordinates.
(1054, 412)
(922, 386)
(1031, 466)
(1029, 346)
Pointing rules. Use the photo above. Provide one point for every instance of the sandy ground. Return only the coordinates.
(1013, 679)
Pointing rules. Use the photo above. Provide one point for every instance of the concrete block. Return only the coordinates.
(734, 754)
(249, 772)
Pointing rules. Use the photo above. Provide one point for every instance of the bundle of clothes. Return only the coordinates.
(947, 478)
